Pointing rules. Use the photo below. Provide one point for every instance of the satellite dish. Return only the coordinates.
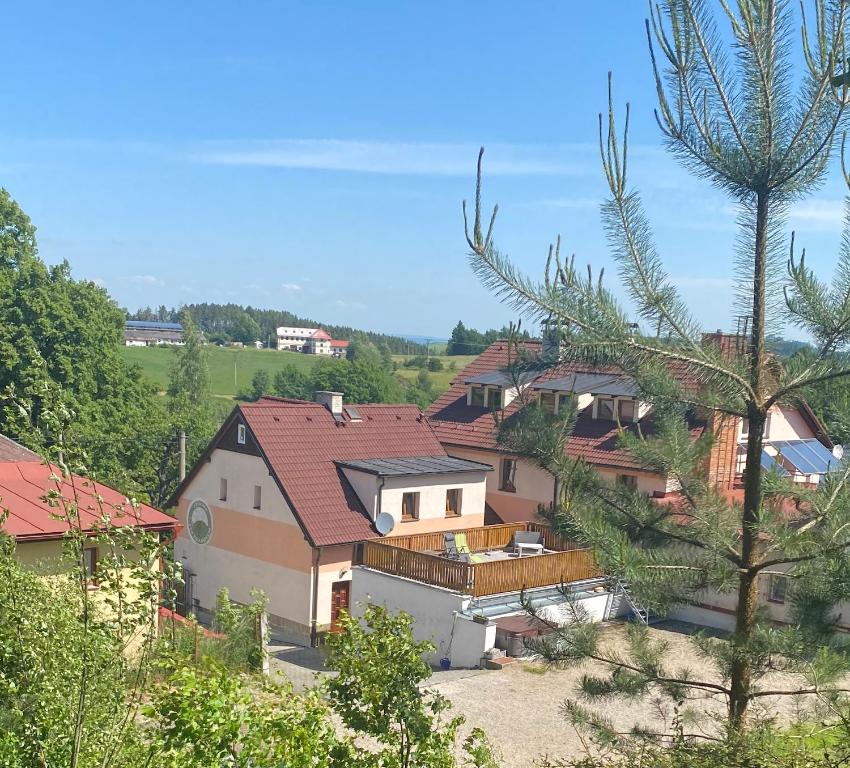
(385, 523)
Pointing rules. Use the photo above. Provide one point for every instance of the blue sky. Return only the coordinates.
(313, 156)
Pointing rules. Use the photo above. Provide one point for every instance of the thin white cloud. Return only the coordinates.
(342, 304)
(398, 157)
(571, 203)
(819, 212)
(290, 287)
(144, 280)
(718, 283)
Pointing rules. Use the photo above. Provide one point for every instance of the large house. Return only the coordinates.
(311, 341)
(463, 418)
(796, 443)
(288, 490)
(39, 533)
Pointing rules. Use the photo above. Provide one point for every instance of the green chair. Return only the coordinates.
(463, 549)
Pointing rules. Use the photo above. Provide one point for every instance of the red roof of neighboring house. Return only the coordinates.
(320, 334)
(339, 343)
(301, 442)
(12, 451)
(594, 440)
(24, 482)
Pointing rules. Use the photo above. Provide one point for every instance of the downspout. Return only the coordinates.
(314, 609)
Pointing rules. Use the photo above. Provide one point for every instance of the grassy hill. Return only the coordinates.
(231, 370)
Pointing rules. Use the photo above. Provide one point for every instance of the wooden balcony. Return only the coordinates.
(419, 557)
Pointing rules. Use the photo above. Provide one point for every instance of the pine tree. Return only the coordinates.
(729, 114)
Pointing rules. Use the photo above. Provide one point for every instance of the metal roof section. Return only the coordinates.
(591, 383)
(419, 465)
(809, 457)
(153, 325)
(503, 378)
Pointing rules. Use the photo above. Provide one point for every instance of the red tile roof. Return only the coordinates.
(594, 440)
(320, 334)
(301, 442)
(338, 343)
(24, 482)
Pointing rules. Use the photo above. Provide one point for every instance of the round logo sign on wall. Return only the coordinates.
(199, 522)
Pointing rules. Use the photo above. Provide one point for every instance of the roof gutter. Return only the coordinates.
(314, 608)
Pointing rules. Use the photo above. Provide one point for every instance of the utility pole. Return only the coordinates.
(181, 447)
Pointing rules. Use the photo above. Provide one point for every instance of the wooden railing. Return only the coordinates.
(518, 573)
(481, 539)
(405, 556)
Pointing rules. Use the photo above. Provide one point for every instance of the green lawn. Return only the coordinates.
(231, 370)
(441, 379)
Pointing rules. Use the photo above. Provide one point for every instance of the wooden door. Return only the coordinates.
(340, 591)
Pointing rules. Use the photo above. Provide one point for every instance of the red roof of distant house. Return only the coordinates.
(302, 442)
(12, 451)
(320, 334)
(339, 343)
(25, 481)
(594, 440)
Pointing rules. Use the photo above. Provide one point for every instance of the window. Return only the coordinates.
(548, 401)
(258, 496)
(745, 427)
(453, 502)
(410, 506)
(564, 402)
(90, 564)
(627, 481)
(605, 408)
(240, 434)
(508, 480)
(777, 589)
(222, 489)
(477, 397)
(626, 410)
(494, 398)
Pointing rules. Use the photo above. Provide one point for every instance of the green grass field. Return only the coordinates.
(231, 370)
(441, 379)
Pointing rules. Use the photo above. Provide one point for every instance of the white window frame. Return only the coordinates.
(241, 434)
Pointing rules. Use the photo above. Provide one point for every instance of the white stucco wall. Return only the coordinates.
(432, 495)
(433, 608)
(365, 485)
(271, 554)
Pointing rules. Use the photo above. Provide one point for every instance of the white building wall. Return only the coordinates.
(432, 494)
(433, 608)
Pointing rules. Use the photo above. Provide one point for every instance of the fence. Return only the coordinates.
(407, 556)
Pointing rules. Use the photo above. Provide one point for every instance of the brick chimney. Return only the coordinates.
(331, 400)
(723, 458)
(730, 345)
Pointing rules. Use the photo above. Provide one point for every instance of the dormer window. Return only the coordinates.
(494, 398)
(548, 401)
(605, 408)
(626, 410)
(478, 396)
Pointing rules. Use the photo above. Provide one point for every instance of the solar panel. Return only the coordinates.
(810, 456)
(769, 463)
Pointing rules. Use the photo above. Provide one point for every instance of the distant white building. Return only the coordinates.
(150, 333)
(311, 341)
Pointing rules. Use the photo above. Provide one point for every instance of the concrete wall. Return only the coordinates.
(433, 608)
(249, 547)
(471, 641)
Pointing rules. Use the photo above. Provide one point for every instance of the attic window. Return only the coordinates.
(547, 401)
(605, 408)
(494, 398)
(478, 397)
(626, 410)
(240, 434)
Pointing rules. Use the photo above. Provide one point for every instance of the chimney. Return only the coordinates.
(331, 400)
(723, 458)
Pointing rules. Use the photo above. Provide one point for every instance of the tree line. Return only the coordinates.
(233, 322)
